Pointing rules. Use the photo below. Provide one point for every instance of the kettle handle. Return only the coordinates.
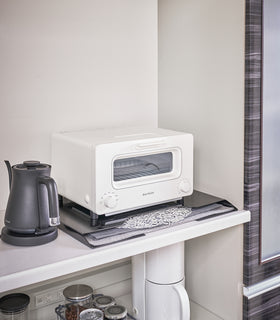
(52, 200)
(184, 301)
(9, 168)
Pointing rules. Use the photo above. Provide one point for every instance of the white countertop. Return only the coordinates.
(21, 266)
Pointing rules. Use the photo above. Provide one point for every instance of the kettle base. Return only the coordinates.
(18, 239)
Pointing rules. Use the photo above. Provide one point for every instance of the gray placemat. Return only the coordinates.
(119, 233)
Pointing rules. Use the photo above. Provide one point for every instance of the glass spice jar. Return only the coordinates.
(78, 297)
(116, 312)
(102, 302)
(14, 307)
(91, 314)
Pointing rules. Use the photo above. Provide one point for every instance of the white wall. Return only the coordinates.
(70, 64)
(201, 85)
(201, 54)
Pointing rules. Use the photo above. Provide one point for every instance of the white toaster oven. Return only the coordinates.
(116, 170)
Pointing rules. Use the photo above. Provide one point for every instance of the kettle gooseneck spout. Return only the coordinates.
(9, 172)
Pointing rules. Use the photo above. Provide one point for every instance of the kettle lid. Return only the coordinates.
(31, 165)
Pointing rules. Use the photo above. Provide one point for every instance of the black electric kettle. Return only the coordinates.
(32, 212)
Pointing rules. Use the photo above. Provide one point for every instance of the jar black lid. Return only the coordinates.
(115, 312)
(103, 301)
(14, 302)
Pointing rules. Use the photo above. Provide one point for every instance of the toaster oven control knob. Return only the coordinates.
(184, 186)
(110, 201)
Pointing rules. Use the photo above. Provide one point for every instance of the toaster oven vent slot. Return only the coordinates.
(141, 166)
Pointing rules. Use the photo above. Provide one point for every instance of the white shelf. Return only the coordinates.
(21, 266)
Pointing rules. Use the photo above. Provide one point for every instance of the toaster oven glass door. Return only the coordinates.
(135, 170)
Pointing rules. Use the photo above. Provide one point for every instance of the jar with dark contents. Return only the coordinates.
(102, 302)
(116, 312)
(78, 297)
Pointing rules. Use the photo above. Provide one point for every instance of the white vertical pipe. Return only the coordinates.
(166, 265)
(158, 284)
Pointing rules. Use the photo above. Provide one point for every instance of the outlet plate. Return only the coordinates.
(48, 297)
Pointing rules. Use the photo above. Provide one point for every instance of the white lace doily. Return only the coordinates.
(157, 218)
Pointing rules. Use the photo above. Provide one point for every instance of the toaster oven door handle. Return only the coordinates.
(150, 145)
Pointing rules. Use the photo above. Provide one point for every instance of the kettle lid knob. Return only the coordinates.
(31, 163)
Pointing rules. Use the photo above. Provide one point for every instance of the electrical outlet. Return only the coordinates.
(60, 295)
(49, 297)
(46, 298)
